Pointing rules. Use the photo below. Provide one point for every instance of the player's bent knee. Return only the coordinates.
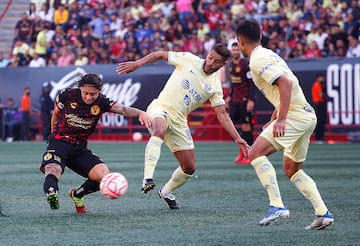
(53, 168)
(98, 172)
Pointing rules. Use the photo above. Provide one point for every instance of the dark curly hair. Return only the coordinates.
(91, 79)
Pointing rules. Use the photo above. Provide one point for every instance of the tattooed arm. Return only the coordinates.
(131, 112)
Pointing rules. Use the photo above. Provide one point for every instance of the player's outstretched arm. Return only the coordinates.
(144, 118)
(228, 125)
(130, 66)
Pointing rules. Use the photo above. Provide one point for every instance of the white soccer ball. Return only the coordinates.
(137, 136)
(113, 185)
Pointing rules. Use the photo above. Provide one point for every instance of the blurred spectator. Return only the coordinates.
(3, 61)
(328, 50)
(46, 13)
(116, 23)
(81, 59)
(20, 53)
(31, 12)
(185, 10)
(85, 15)
(96, 25)
(46, 109)
(213, 17)
(209, 42)
(166, 8)
(26, 110)
(354, 47)
(74, 18)
(136, 10)
(12, 119)
(340, 48)
(37, 61)
(65, 59)
(312, 50)
(23, 29)
(41, 41)
(61, 16)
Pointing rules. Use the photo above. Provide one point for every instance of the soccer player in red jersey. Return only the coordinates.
(76, 114)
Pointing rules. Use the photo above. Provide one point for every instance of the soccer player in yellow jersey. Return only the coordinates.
(289, 128)
(190, 85)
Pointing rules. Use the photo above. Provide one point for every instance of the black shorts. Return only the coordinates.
(239, 114)
(76, 157)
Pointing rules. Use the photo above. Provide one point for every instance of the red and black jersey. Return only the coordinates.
(77, 120)
(241, 81)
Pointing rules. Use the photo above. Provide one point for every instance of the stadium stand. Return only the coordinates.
(112, 31)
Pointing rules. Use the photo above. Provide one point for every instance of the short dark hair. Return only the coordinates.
(249, 29)
(222, 50)
(91, 79)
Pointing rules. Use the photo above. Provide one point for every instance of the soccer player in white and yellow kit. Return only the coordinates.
(192, 83)
(289, 128)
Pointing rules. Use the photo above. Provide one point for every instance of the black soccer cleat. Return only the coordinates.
(170, 201)
(148, 185)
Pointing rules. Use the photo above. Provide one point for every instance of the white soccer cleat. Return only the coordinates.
(321, 222)
(273, 215)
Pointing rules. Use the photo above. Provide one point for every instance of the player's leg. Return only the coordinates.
(180, 176)
(263, 146)
(88, 165)
(234, 114)
(294, 156)
(53, 165)
(180, 142)
(153, 152)
(53, 173)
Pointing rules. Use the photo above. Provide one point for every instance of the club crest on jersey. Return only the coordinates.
(73, 105)
(207, 87)
(47, 156)
(95, 110)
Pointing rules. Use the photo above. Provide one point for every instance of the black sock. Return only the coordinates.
(89, 186)
(50, 184)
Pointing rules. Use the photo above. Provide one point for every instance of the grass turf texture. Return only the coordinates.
(221, 204)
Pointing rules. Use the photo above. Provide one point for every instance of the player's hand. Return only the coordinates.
(279, 128)
(126, 67)
(145, 119)
(243, 145)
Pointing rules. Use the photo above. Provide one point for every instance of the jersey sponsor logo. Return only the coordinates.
(73, 105)
(76, 121)
(263, 69)
(187, 100)
(185, 84)
(95, 110)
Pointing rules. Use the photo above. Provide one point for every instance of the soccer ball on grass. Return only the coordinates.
(113, 185)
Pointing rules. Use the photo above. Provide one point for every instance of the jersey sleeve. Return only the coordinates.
(180, 58)
(61, 98)
(266, 69)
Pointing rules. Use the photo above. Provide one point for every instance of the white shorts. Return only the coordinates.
(295, 142)
(178, 136)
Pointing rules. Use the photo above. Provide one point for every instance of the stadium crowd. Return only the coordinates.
(82, 32)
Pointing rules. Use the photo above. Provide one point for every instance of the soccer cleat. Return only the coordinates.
(321, 222)
(148, 185)
(241, 159)
(53, 200)
(273, 215)
(78, 202)
(170, 201)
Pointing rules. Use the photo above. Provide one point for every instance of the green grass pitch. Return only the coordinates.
(221, 204)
